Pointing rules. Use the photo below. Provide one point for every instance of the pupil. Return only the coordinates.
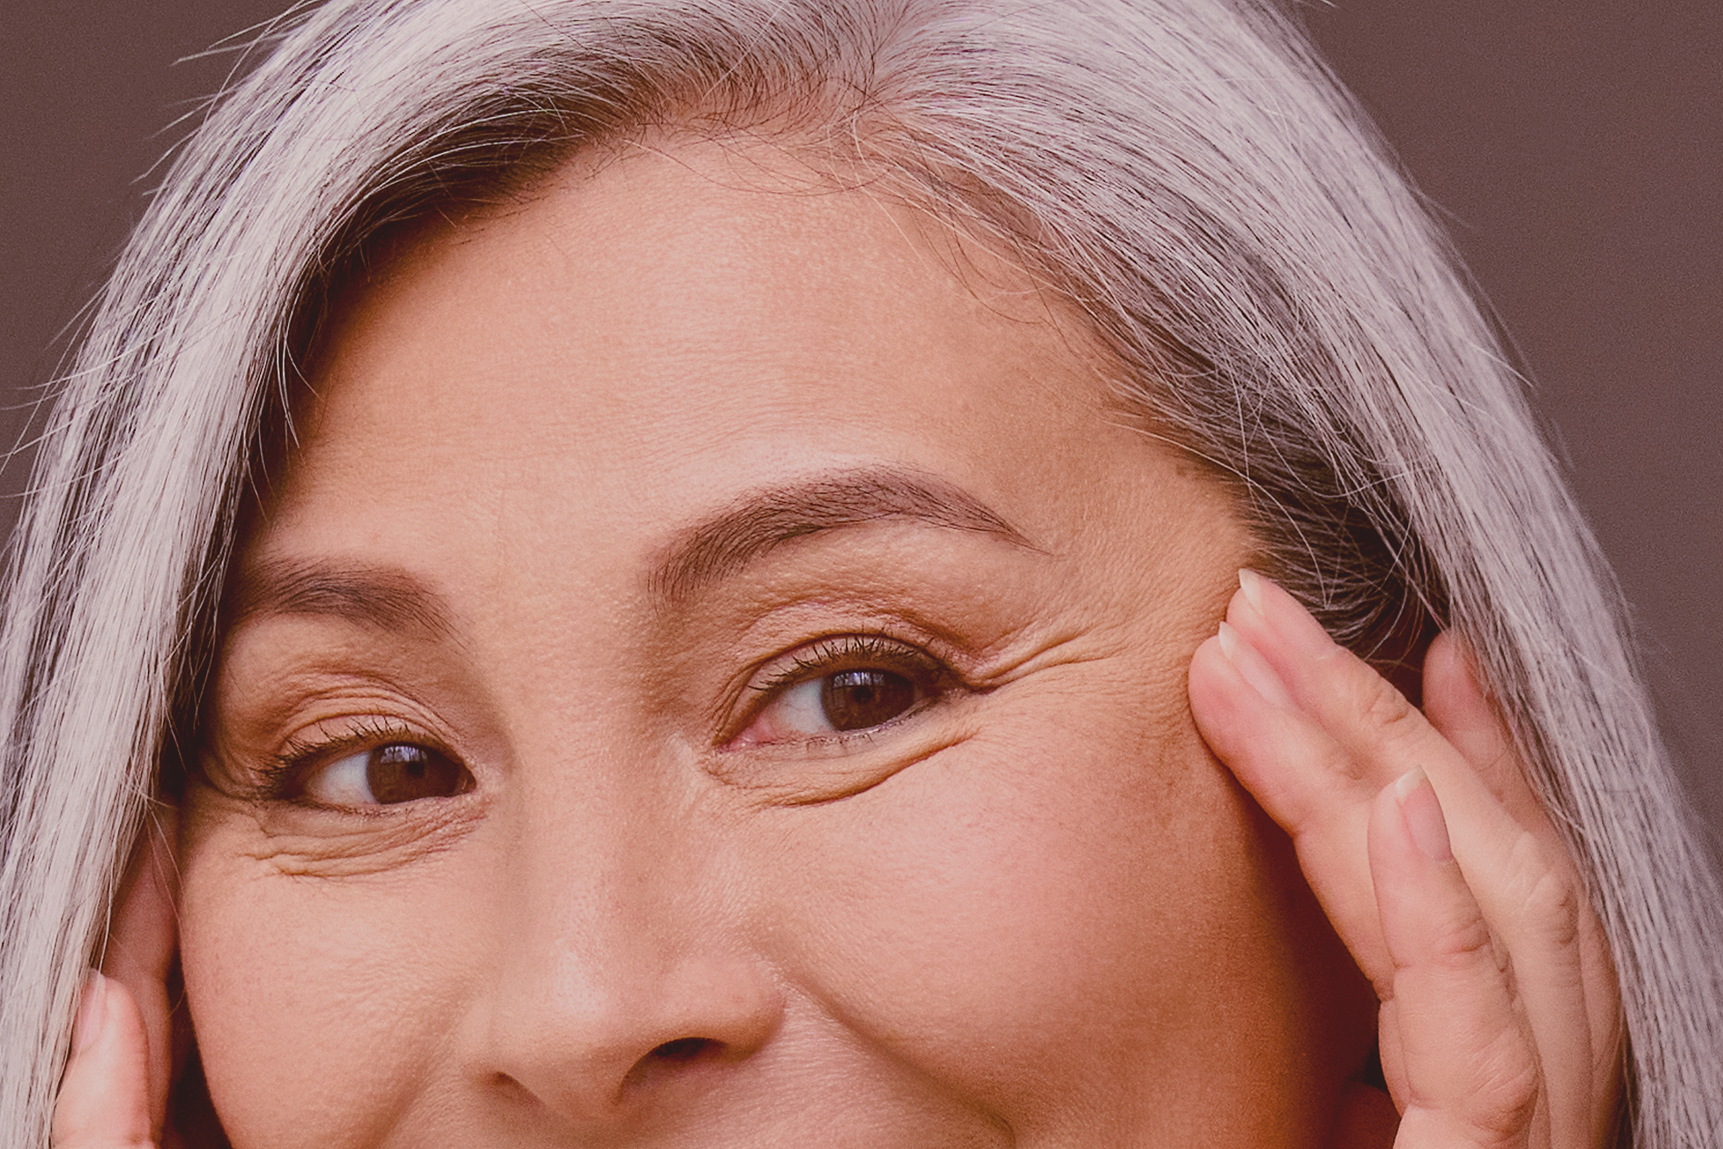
(858, 699)
(400, 773)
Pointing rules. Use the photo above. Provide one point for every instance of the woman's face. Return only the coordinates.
(713, 674)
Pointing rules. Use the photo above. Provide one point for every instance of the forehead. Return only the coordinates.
(648, 335)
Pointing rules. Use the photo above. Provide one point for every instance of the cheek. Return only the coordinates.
(1067, 922)
(317, 1004)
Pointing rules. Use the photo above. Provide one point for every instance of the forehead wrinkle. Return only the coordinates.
(386, 598)
(760, 521)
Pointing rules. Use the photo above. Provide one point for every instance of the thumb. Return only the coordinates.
(104, 1095)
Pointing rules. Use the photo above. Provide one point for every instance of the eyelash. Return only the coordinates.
(837, 653)
(281, 777)
(283, 773)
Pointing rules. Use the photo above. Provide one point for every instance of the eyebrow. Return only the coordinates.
(718, 547)
(762, 520)
(383, 597)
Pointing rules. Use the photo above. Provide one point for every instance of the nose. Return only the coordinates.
(602, 1046)
(618, 988)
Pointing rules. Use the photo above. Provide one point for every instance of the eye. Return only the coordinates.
(842, 686)
(386, 775)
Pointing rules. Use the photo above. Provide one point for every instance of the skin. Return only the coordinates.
(660, 904)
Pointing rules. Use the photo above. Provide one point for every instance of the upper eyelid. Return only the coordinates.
(796, 670)
(370, 729)
(793, 667)
(286, 768)
(318, 738)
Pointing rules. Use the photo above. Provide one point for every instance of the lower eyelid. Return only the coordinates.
(822, 770)
(322, 745)
(811, 705)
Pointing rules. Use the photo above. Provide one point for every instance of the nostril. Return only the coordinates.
(685, 1049)
(672, 1059)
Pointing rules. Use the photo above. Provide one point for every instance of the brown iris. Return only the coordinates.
(858, 699)
(400, 772)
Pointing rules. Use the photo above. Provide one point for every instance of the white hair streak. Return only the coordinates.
(1185, 171)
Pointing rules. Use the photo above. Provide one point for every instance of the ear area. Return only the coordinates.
(141, 951)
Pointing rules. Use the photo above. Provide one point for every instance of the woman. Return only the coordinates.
(1166, 214)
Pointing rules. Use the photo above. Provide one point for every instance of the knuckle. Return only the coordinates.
(1368, 717)
(1553, 909)
(1493, 1104)
(1375, 700)
(1505, 1096)
(1551, 906)
(1501, 770)
(1466, 943)
(1335, 759)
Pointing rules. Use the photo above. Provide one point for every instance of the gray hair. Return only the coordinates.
(1184, 171)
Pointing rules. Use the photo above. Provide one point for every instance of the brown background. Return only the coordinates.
(1574, 146)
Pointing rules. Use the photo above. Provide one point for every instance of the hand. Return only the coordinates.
(1500, 1023)
(115, 1089)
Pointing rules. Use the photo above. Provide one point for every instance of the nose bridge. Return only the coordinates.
(617, 970)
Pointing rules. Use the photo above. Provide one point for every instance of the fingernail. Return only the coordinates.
(1423, 814)
(1254, 668)
(1251, 584)
(1286, 618)
(92, 1012)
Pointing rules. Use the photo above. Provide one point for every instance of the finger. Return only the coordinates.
(1381, 734)
(1319, 781)
(140, 948)
(1290, 767)
(1342, 693)
(1458, 707)
(1517, 868)
(104, 1095)
(1467, 1073)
